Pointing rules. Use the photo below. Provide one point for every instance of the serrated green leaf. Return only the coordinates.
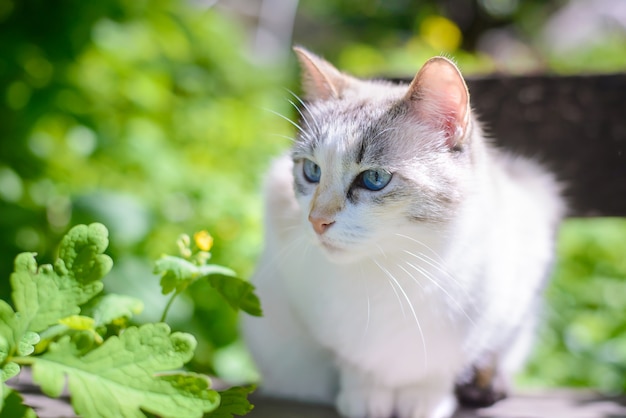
(30, 287)
(10, 330)
(40, 297)
(10, 370)
(81, 253)
(234, 401)
(44, 295)
(27, 343)
(125, 375)
(13, 405)
(179, 273)
(110, 307)
(11, 339)
(238, 293)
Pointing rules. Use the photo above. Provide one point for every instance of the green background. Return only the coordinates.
(154, 118)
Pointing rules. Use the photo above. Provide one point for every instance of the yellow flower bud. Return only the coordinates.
(203, 240)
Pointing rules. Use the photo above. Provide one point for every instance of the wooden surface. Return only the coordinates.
(539, 404)
(548, 404)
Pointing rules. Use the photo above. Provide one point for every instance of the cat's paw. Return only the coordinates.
(483, 385)
(365, 402)
(479, 396)
(418, 403)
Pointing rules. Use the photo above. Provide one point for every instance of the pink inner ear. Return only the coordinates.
(321, 81)
(440, 97)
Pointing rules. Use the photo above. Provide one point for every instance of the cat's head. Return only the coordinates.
(374, 159)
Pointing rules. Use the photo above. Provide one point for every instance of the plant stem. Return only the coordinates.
(24, 361)
(167, 307)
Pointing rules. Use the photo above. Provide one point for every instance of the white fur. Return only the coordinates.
(382, 315)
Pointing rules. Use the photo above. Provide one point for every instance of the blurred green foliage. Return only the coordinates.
(143, 115)
(148, 116)
(392, 38)
(395, 37)
(583, 341)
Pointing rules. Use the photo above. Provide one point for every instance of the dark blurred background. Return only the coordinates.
(157, 118)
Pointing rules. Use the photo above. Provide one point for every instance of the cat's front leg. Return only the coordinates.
(426, 400)
(362, 396)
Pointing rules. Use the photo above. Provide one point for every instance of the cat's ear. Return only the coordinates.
(440, 97)
(320, 79)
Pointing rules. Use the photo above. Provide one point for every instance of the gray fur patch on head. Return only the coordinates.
(364, 131)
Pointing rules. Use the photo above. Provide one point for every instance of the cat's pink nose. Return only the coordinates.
(320, 225)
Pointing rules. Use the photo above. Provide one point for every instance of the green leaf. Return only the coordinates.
(27, 343)
(10, 330)
(179, 273)
(81, 253)
(11, 339)
(38, 294)
(234, 401)
(110, 307)
(13, 405)
(44, 295)
(35, 294)
(210, 269)
(127, 374)
(10, 370)
(78, 322)
(238, 293)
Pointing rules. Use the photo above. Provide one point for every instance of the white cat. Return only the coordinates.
(404, 255)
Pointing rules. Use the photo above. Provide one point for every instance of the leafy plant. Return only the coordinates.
(146, 116)
(63, 328)
(178, 273)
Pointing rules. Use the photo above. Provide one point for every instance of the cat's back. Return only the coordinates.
(532, 186)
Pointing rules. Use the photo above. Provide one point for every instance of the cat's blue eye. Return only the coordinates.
(375, 180)
(311, 171)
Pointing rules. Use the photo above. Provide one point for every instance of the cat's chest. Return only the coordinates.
(374, 311)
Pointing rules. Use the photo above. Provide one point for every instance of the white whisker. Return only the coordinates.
(298, 127)
(434, 264)
(381, 249)
(295, 96)
(412, 277)
(310, 122)
(290, 138)
(429, 277)
(369, 312)
(422, 244)
(393, 287)
(302, 117)
(408, 300)
(367, 295)
(445, 277)
(302, 102)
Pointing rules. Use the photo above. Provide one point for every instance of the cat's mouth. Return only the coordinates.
(335, 251)
(328, 245)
